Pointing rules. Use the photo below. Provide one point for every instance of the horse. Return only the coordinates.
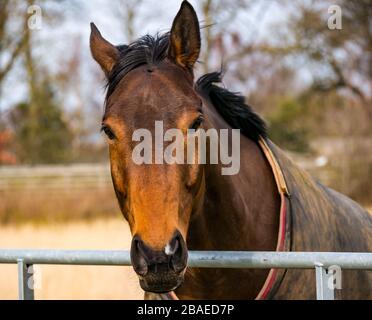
(269, 205)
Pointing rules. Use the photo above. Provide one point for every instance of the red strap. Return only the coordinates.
(272, 276)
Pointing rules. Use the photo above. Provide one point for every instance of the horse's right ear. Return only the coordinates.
(105, 53)
(184, 47)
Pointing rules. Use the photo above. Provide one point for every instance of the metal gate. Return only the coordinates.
(321, 262)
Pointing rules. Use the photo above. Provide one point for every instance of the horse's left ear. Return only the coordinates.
(184, 47)
(105, 53)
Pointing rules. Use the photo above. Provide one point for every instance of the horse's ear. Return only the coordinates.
(105, 53)
(184, 47)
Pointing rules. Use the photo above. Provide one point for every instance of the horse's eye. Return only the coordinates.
(107, 130)
(197, 122)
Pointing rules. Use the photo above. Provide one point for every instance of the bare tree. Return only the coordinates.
(345, 54)
(126, 11)
(9, 43)
(222, 30)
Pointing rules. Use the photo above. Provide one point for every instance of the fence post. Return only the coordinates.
(25, 280)
(323, 279)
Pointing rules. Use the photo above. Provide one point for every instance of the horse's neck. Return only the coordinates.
(239, 212)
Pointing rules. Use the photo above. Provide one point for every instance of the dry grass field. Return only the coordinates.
(72, 282)
(52, 206)
(77, 220)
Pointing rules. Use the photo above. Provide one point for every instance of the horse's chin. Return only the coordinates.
(161, 283)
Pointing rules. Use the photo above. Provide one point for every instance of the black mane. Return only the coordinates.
(148, 50)
(231, 106)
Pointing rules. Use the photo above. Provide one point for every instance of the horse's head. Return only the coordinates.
(152, 80)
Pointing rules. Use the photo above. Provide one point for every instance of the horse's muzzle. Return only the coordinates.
(159, 270)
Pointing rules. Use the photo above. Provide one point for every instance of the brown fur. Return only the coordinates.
(214, 212)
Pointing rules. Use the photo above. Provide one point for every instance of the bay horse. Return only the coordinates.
(270, 204)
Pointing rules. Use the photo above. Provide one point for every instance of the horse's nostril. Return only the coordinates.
(138, 259)
(178, 259)
(146, 260)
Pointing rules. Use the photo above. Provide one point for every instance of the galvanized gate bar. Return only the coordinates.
(267, 259)
(200, 259)
(73, 257)
(323, 280)
(321, 261)
(25, 280)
